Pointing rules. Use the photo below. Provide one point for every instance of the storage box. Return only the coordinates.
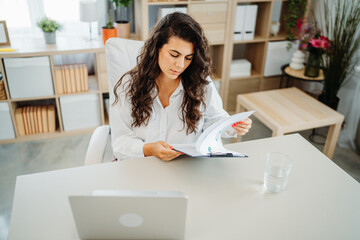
(276, 56)
(80, 111)
(240, 68)
(6, 125)
(245, 22)
(29, 77)
(162, 12)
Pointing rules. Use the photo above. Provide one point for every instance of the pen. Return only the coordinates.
(225, 155)
(221, 155)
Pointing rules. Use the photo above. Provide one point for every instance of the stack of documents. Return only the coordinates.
(71, 78)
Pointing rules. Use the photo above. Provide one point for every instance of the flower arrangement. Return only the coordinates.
(312, 40)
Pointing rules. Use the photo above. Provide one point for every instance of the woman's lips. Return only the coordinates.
(175, 72)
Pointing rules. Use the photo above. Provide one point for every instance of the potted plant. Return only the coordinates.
(341, 25)
(295, 12)
(49, 28)
(108, 31)
(122, 25)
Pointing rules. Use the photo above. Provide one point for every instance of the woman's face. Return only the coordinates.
(174, 57)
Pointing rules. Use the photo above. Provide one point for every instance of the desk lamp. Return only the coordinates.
(88, 13)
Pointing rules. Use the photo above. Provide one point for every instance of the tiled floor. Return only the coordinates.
(45, 155)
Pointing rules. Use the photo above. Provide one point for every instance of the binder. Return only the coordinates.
(239, 22)
(250, 22)
(245, 22)
(19, 121)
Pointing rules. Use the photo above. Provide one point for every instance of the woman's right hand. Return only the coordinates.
(160, 149)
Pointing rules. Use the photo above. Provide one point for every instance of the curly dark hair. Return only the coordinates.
(143, 76)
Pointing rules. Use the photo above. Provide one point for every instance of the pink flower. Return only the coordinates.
(314, 42)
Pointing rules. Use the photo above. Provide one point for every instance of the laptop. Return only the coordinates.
(122, 214)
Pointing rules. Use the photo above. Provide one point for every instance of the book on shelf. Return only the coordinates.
(39, 119)
(86, 77)
(36, 122)
(20, 126)
(67, 78)
(51, 118)
(44, 118)
(24, 115)
(77, 77)
(31, 117)
(72, 78)
(58, 80)
(209, 143)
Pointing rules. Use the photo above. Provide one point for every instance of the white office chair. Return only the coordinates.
(121, 57)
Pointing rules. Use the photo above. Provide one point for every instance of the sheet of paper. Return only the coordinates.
(210, 140)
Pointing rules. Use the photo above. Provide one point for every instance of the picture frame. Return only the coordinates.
(4, 35)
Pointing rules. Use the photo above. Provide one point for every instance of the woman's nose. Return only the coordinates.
(180, 62)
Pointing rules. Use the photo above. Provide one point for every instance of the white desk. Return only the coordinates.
(226, 197)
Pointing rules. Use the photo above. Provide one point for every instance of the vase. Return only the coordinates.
(312, 68)
(297, 61)
(108, 33)
(123, 29)
(50, 37)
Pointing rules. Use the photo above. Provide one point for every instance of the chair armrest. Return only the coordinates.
(96, 149)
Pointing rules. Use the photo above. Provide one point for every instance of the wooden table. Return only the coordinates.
(291, 110)
(226, 196)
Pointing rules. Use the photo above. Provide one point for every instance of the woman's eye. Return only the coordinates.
(188, 58)
(174, 55)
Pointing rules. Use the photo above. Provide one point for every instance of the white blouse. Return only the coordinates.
(165, 124)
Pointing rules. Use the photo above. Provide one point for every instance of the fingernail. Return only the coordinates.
(181, 153)
(171, 147)
(241, 122)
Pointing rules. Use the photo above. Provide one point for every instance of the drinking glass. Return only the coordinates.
(277, 169)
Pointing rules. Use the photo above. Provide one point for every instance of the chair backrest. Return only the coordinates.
(121, 57)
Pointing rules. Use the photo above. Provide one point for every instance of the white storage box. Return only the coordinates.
(29, 77)
(276, 56)
(80, 111)
(240, 68)
(6, 125)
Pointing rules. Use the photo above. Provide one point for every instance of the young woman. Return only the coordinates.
(168, 97)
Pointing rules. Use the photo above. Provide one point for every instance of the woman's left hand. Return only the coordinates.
(241, 128)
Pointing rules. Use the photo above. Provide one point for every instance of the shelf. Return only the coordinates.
(153, 3)
(279, 37)
(33, 98)
(254, 74)
(255, 40)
